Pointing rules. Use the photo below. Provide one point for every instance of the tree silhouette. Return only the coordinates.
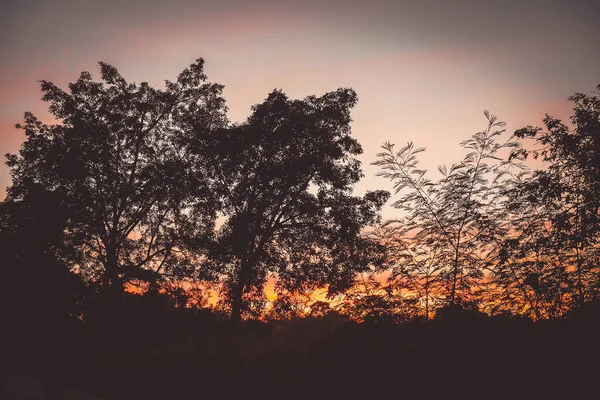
(285, 177)
(453, 225)
(39, 297)
(370, 300)
(118, 161)
(134, 188)
(413, 267)
(552, 258)
(289, 306)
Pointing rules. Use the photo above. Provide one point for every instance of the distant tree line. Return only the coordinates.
(153, 192)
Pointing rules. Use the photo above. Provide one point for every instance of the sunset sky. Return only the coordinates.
(424, 70)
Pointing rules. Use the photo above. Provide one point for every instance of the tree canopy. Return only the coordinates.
(553, 256)
(141, 176)
(133, 185)
(453, 225)
(286, 177)
(118, 162)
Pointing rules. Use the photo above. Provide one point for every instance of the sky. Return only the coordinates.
(424, 70)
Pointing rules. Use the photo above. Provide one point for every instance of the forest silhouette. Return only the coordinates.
(142, 227)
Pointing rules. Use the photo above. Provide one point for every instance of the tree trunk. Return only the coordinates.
(454, 279)
(237, 294)
(115, 288)
(115, 296)
(236, 304)
(580, 296)
(427, 298)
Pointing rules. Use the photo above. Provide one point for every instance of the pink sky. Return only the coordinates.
(423, 73)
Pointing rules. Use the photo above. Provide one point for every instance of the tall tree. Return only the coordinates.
(118, 161)
(453, 225)
(286, 177)
(555, 254)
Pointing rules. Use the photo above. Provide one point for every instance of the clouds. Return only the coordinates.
(38, 27)
(418, 66)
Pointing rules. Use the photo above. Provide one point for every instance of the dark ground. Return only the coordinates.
(187, 354)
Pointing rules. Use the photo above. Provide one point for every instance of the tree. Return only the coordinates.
(285, 177)
(119, 163)
(453, 225)
(554, 253)
(414, 272)
(289, 306)
(39, 297)
(370, 300)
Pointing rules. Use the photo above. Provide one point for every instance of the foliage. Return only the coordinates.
(453, 225)
(119, 163)
(553, 257)
(285, 177)
(38, 295)
(289, 306)
(411, 269)
(372, 302)
(125, 189)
